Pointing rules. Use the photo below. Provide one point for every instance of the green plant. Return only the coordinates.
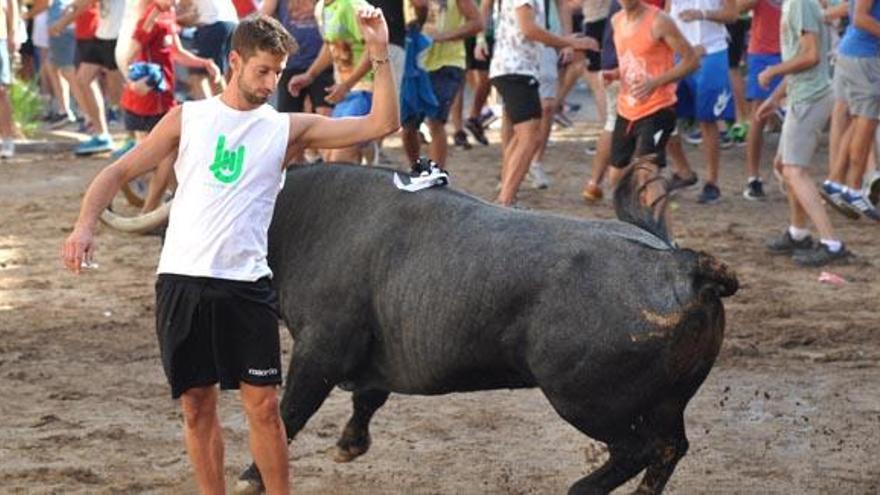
(26, 106)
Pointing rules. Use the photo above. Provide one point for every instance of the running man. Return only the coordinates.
(807, 89)
(216, 312)
(647, 42)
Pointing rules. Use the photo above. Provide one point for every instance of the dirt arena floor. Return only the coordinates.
(792, 406)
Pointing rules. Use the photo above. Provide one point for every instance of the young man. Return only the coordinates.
(647, 42)
(216, 314)
(705, 95)
(807, 89)
(514, 72)
(763, 52)
(8, 47)
(855, 83)
(448, 23)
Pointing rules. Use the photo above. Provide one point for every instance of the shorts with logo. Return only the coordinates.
(645, 136)
(705, 94)
(212, 330)
(802, 129)
(98, 52)
(757, 63)
(549, 73)
(519, 93)
(445, 81)
(857, 82)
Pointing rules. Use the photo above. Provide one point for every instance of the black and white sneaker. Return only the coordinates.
(754, 190)
(821, 255)
(786, 244)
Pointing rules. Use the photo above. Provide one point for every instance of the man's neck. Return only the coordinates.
(230, 97)
(635, 12)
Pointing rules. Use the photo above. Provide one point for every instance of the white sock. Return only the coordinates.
(754, 178)
(833, 245)
(797, 233)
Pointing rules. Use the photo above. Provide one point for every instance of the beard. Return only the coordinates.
(249, 95)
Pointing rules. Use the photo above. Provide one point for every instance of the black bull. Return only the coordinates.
(436, 292)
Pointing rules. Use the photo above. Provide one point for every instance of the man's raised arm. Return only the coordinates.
(317, 131)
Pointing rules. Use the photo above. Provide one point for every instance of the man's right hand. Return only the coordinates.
(298, 82)
(481, 51)
(583, 43)
(78, 249)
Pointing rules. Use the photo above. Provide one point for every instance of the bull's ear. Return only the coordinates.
(713, 278)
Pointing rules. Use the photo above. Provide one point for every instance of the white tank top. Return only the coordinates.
(712, 35)
(229, 172)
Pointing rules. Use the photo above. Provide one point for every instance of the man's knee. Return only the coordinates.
(199, 406)
(261, 404)
(793, 172)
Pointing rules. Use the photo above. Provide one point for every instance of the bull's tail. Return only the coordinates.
(628, 203)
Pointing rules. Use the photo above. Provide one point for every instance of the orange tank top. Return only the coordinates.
(640, 56)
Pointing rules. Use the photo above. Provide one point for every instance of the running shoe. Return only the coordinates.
(872, 190)
(754, 190)
(59, 120)
(786, 244)
(572, 107)
(539, 177)
(591, 149)
(820, 254)
(857, 202)
(832, 193)
(562, 120)
(477, 131)
(460, 139)
(592, 193)
(96, 144)
(709, 195)
(738, 132)
(725, 140)
(487, 117)
(694, 137)
(125, 148)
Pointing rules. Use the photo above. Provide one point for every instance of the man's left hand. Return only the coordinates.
(373, 27)
(766, 77)
(336, 93)
(643, 89)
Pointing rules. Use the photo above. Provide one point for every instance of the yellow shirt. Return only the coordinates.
(443, 16)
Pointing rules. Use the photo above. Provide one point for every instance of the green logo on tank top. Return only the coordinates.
(228, 165)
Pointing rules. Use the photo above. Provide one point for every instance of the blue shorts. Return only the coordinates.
(705, 94)
(62, 49)
(5, 64)
(445, 81)
(757, 63)
(355, 104)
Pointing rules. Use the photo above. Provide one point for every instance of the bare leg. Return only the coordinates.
(598, 88)
(94, 99)
(838, 140)
(411, 145)
(351, 154)
(481, 87)
(675, 155)
(548, 109)
(7, 128)
(268, 440)
(738, 85)
(603, 158)
(754, 143)
(570, 76)
(522, 147)
(202, 435)
(76, 89)
(114, 86)
(438, 146)
(712, 149)
(807, 198)
(456, 110)
(859, 148)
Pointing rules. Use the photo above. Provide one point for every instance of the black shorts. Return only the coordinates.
(595, 30)
(519, 93)
(214, 41)
(316, 92)
(737, 46)
(212, 330)
(142, 123)
(472, 63)
(98, 52)
(646, 136)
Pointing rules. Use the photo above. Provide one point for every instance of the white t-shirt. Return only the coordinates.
(710, 34)
(211, 11)
(110, 14)
(229, 170)
(513, 53)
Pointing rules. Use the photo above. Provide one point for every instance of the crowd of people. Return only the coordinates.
(660, 71)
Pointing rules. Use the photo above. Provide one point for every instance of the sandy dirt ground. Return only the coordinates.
(792, 406)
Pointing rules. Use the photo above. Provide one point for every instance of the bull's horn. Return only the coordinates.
(140, 224)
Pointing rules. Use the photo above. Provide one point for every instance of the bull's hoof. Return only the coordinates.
(350, 452)
(249, 483)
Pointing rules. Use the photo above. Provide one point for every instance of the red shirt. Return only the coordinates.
(660, 4)
(764, 38)
(86, 23)
(157, 47)
(244, 7)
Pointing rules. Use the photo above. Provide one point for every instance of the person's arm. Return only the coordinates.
(473, 23)
(161, 141)
(269, 7)
(481, 47)
(838, 11)
(806, 58)
(70, 14)
(727, 14)
(12, 14)
(337, 92)
(769, 105)
(187, 58)
(665, 30)
(38, 7)
(863, 19)
(318, 131)
(319, 65)
(565, 54)
(525, 17)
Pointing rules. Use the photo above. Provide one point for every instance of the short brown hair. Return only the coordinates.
(259, 32)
